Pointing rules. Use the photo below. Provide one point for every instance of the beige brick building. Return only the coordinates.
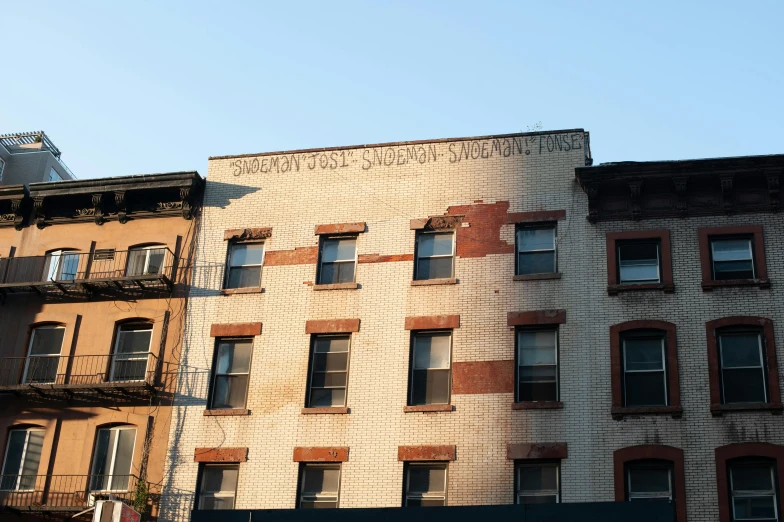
(373, 315)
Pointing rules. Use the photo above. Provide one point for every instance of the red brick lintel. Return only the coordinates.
(432, 322)
(340, 228)
(426, 453)
(537, 216)
(220, 455)
(235, 330)
(542, 450)
(321, 454)
(536, 317)
(332, 326)
(247, 234)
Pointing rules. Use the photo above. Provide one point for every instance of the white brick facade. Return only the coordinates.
(481, 425)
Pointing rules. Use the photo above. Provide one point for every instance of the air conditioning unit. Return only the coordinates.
(114, 511)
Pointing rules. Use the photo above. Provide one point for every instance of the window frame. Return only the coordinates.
(30, 355)
(200, 494)
(130, 356)
(322, 243)
(146, 249)
(19, 475)
(214, 372)
(412, 365)
(755, 232)
(534, 463)
(543, 225)
(657, 242)
(312, 369)
(113, 456)
(422, 233)
(303, 467)
(729, 331)
(650, 464)
(229, 266)
(61, 254)
(741, 237)
(771, 465)
(749, 451)
(538, 328)
(645, 334)
(613, 239)
(623, 457)
(423, 464)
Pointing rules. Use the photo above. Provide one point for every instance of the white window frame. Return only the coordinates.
(313, 368)
(54, 264)
(217, 374)
(713, 242)
(30, 354)
(229, 265)
(543, 226)
(754, 493)
(663, 368)
(519, 360)
(647, 496)
(623, 281)
(218, 494)
(322, 497)
(113, 457)
(130, 356)
(418, 496)
(22, 460)
(520, 492)
(421, 234)
(324, 240)
(147, 250)
(761, 366)
(414, 368)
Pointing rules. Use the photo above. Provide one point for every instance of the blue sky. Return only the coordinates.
(142, 87)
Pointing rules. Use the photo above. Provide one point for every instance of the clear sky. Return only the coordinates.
(140, 87)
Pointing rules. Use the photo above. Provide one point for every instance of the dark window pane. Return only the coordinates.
(246, 254)
(537, 499)
(329, 380)
(327, 397)
(743, 386)
(134, 339)
(733, 270)
(230, 391)
(334, 361)
(752, 477)
(47, 341)
(645, 389)
(245, 277)
(638, 251)
(329, 343)
(435, 244)
(311, 504)
(538, 392)
(320, 479)
(435, 268)
(537, 478)
(234, 357)
(535, 263)
(217, 503)
(328, 274)
(432, 350)
(426, 479)
(134, 369)
(649, 480)
(339, 249)
(643, 354)
(537, 373)
(529, 239)
(346, 273)
(431, 387)
(41, 370)
(424, 502)
(739, 350)
(219, 479)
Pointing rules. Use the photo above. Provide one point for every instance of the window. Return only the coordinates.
(431, 369)
(435, 254)
(537, 483)
(22, 457)
(741, 358)
(218, 486)
(649, 480)
(54, 175)
(536, 250)
(338, 260)
(329, 371)
(146, 261)
(732, 258)
(537, 365)
(131, 352)
(43, 359)
(753, 491)
(639, 262)
(245, 260)
(61, 265)
(319, 486)
(232, 369)
(112, 460)
(644, 371)
(2, 167)
(425, 484)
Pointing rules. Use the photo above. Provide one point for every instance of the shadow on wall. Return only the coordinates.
(220, 195)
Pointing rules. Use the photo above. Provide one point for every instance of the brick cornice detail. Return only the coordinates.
(332, 326)
(247, 234)
(537, 216)
(612, 239)
(771, 364)
(536, 317)
(321, 454)
(760, 265)
(736, 451)
(432, 322)
(623, 456)
(220, 455)
(340, 228)
(426, 453)
(475, 377)
(541, 450)
(235, 330)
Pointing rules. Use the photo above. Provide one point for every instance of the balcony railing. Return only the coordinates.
(63, 492)
(87, 372)
(66, 273)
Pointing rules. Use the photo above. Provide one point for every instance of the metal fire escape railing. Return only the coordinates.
(63, 492)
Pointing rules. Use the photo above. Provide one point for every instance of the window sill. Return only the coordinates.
(226, 413)
(337, 286)
(325, 411)
(615, 289)
(537, 277)
(708, 286)
(537, 405)
(619, 412)
(717, 410)
(429, 282)
(428, 408)
(233, 291)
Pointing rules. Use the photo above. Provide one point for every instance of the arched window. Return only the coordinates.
(43, 356)
(651, 472)
(146, 260)
(130, 360)
(748, 478)
(22, 458)
(112, 458)
(61, 265)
